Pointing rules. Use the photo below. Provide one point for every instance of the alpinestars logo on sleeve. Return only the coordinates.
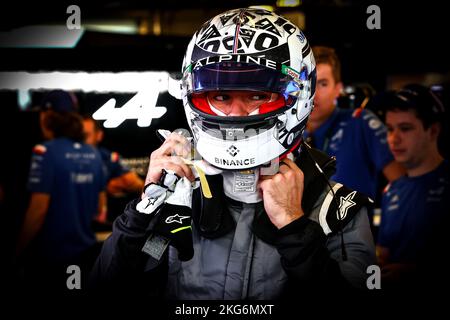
(346, 203)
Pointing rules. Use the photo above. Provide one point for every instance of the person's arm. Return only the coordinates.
(133, 182)
(121, 258)
(128, 182)
(304, 256)
(102, 208)
(40, 183)
(34, 219)
(309, 257)
(393, 170)
(121, 178)
(312, 259)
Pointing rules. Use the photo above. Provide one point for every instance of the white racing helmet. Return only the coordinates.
(248, 49)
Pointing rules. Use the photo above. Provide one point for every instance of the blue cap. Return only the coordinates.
(60, 101)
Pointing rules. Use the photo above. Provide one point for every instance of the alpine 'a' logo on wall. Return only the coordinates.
(146, 87)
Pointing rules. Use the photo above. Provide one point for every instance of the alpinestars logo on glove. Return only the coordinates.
(176, 218)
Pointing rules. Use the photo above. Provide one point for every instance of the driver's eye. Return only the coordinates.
(261, 96)
(221, 97)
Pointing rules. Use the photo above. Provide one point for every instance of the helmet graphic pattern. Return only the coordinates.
(282, 61)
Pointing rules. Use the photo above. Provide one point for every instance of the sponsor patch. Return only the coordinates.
(237, 162)
(374, 124)
(244, 181)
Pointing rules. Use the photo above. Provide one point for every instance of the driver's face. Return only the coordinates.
(239, 103)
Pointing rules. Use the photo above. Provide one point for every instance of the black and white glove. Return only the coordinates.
(170, 201)
(155, 194)
(175, 218)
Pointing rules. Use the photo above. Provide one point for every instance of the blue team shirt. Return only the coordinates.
(359, 144)
(411, 209)
(72, 174)
(112, 164)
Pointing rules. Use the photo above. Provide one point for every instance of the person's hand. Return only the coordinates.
(168, 157)
(282, 194)
(128, 182)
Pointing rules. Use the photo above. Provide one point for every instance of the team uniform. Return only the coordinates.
(112, 164)
(358, 141)
(413, 208)
(114, 168)
(71, 173)
(236, 252)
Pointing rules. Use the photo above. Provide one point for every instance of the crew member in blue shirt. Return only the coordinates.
(128, 180)
(357, 138)
(416, 206)
(65, 180)
(121, 181)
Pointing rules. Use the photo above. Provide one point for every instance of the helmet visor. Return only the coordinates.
(232, 75)
(228, 76)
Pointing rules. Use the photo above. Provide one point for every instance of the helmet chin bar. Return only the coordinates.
(267, 168)
(248, 152)
(252, 150)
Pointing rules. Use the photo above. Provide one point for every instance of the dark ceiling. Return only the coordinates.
(412, 38)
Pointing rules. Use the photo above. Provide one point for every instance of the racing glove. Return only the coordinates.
(175, 218)
(170, 202)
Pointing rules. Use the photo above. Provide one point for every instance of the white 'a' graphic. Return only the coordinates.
(141, 107)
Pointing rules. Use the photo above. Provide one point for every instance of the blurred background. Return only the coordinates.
(137, 38)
